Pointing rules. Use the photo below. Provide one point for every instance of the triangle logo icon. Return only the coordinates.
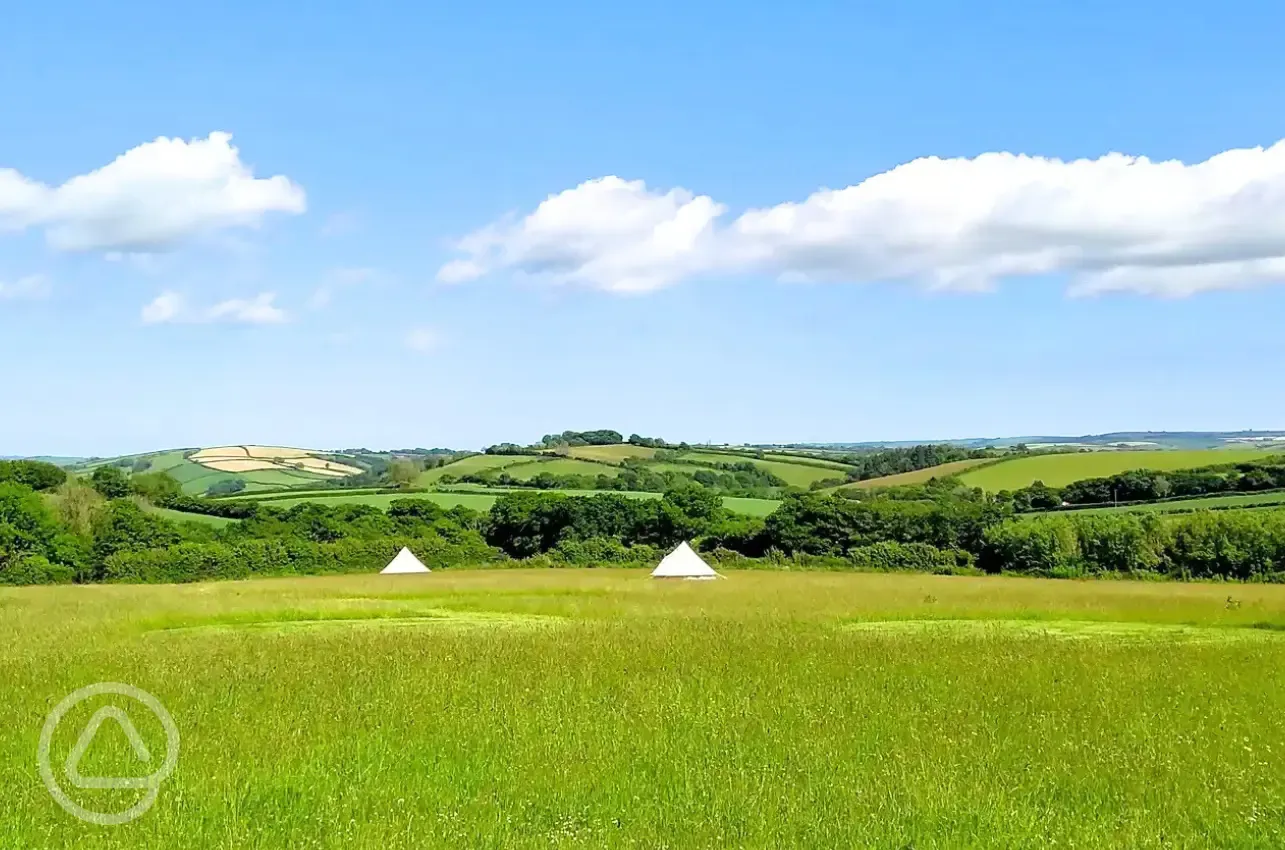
(107, 712)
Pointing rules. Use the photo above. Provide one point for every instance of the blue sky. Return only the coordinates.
(404, 282)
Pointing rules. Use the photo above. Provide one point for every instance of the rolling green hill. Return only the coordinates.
(794, 470)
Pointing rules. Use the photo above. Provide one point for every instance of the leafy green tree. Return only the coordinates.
(77, 505)
(36, 474)
(123, 526)
(156, 487)
(403, 473)
(110, 481)
(225, 487)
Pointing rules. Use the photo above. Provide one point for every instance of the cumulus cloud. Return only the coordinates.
(169, 307)
(422, 340)
(27, 288)
(151, 198)
(1117, 223)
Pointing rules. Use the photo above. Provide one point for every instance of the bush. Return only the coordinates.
(920, 557)
(186, 562)
(36, 569)
(605, 550)
(1042, 546)
(226, 487)
(110, 481)
(35, 474)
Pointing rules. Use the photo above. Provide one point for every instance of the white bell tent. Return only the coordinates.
(683, 562)
(404, 562)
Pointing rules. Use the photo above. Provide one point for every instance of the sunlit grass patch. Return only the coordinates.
(1067, 630)
(351, 613)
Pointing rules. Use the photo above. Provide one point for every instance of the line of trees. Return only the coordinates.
(728, 479)
(1145, 485)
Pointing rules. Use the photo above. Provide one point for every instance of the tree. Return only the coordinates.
(78, 504)
(226, 487)
(110, 481)
(36, 474)
(156, 487)
(403, 473)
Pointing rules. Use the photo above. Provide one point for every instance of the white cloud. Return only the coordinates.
(609, 233)
(171, 307)
(27, 288)
(422, 340)
(259, 310)
(166, 307)
(1117, 223)
(150, 198)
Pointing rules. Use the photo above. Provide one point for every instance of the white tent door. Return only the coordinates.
(683, 562)
(404, 562)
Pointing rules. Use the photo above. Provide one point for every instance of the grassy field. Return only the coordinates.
(1058, 470)
(183, 516)
(1243, 500)
(795, 474)
(918, 476)
(561, 466)
(601, 709)
(612, 454)
(470, 464)
(482, 501)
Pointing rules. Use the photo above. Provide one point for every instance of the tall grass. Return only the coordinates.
(607, 710)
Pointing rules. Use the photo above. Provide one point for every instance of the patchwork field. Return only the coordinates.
(601, 709)
(259, 467)
(1058, 470)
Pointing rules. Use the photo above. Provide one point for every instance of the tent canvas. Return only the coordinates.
(404, 562)
(683, 562)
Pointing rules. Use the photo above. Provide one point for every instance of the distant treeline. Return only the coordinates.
(103, 533)
(886, 462)
(1145, 485)
(601, 437)
(738, 478)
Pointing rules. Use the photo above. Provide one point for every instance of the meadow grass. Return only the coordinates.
(599, 708)
(612, 454)
(562, 466)
(471, 464)
(1058, 470)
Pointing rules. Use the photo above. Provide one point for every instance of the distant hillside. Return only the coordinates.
(256, 467)
(1117, 441)
(1058, 470)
